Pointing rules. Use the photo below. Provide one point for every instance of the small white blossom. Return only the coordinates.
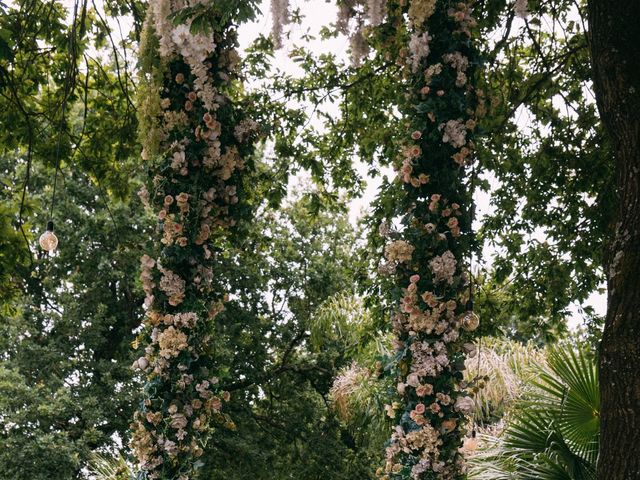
(418, 49)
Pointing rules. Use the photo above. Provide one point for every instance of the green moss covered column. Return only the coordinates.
(197, 146)
(427, 253)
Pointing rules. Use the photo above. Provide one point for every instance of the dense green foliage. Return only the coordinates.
(283, 273)
(549, 161)
(66, 101)
(66, 386)
(67, 320)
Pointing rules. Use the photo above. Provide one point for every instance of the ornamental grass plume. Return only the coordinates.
(345, 385)
(506, 367)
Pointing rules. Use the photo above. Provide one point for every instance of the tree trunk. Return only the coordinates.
(615, 50)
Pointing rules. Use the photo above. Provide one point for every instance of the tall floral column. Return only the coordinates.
(196, 144)
(428, 255)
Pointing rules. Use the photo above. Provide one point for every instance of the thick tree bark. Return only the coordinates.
(615, 49)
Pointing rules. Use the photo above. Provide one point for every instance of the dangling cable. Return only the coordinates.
(472, 214)
(48, 240)
(69, 74)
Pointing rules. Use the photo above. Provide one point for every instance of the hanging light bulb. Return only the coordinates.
(469, 320)
(48, 240)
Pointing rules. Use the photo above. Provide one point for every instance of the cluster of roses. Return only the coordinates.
(433, 325)
(195, 147)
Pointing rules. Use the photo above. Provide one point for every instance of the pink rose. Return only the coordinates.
(423, 390)
(178, 421)
(214, 404)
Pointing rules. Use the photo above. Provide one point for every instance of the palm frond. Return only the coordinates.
(102, 467)
(342, 318)
(552, 431)
(543, 469)
(569, 391)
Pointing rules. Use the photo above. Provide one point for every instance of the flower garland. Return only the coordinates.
(427, 256)
(196, 143)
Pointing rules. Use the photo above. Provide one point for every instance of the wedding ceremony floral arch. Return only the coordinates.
(197, 146)
(350, 239)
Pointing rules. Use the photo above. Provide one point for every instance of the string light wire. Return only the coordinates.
(69, 75)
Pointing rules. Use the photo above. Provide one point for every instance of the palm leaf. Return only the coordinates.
(102, 467)
(570, 392)
(543, 469)
(553, 430)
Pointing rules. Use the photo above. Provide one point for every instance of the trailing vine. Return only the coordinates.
(426, 257)
(198, 147)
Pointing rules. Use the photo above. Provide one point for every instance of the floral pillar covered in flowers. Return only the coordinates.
(428, 256)
(197, 147)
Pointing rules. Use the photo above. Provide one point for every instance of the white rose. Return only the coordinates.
(140, 364)
(413, 379)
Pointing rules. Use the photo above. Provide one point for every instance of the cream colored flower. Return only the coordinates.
(399, 251)
(172, 342)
